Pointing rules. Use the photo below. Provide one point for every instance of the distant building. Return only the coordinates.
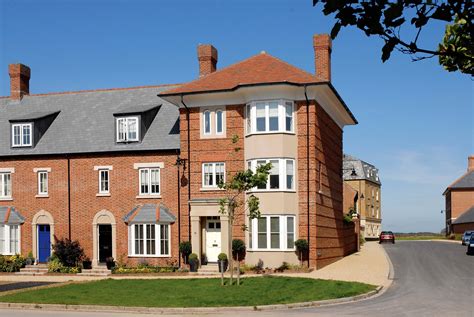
(460, 202)
(364, 178)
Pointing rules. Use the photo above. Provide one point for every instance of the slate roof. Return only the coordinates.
(86, 123)
(465, 217)
(149, 213)
(259, 69)
(10, 215)
(364, 170)
(465, 181)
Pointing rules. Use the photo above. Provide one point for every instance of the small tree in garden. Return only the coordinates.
(234, 204)
(185, 249)
(69, 253)
(238, 254)
(302, 248)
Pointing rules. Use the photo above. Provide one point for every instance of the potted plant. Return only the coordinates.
(238, 254)
(30, 260)
(302, 248)
(86, 263)
(110, 263)
(222, 262)
(193, 262)
(185, 249)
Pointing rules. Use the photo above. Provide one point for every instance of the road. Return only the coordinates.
(431, 279)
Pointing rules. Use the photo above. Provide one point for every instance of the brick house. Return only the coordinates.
(459, 197)
(132, 172)
(364, 178)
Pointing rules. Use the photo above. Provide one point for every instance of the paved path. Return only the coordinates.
(431, 279)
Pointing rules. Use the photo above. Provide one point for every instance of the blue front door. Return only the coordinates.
(44, 243)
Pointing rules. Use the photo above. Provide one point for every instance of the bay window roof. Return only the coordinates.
(149, 213)
(10, 216)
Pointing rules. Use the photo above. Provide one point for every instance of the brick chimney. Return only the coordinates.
(470, 163)
(207, 56)
(19, 80)
(322, 45)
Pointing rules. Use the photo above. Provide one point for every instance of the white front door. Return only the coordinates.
(213, 238)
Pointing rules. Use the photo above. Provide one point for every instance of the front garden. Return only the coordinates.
(204, 292)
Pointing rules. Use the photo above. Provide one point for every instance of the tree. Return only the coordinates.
(385, 19)
(235, 205)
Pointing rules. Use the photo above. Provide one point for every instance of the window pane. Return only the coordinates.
(164, 239)
(275, 232)
(289, 116)
(289, 174)
(14, 239)
(16, 135)
(219, 173)
(249, 119)
(262, 233)
(290, 229)
(104, 181)
(250, 233)
(132, 128)
(207, 122)
(262, 186)
(26, 135)
(274, 175)
(155, 181)
(207, 170)
(273, 116)
(139, 239)
(219, 123)
(122, 130)
(144, 175)
(150, 240)
(5, 185)
(261, 124)
(43, 182)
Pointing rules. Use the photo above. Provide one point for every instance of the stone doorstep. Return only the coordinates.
(189, 310)
(39, 269)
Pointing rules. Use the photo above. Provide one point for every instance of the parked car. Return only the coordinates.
(470, 245)
(466, 237)
(387, 236)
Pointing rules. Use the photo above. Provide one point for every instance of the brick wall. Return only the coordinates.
(461, 200)
(460, 228)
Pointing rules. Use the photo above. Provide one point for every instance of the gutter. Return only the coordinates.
(307, 164)
(69, 196)
(189, 165)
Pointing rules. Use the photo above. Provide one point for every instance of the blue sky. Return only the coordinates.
(416, 121)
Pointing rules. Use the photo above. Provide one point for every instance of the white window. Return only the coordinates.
(270, 116)
(377, 193)
(5, 185)
(281, 175)
(272, 232)
(207, 122)
(9, 239)
(42, 183)
(152, 240)
(104, 181)
(149, 179)
(127, 129)
(21, 134)
(213, 174)
(219, 122)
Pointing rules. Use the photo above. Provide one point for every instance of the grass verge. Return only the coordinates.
(191, 292)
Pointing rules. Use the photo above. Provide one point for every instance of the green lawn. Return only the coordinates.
(191, 292)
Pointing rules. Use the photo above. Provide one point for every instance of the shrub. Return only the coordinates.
(68, 252)
(55, 266)
(193, 258)
(302, 247)
(361, 239)
(222, 257)
(185, 249)
(283, 267)
(11, 263)
(140, 270)
(238, 249)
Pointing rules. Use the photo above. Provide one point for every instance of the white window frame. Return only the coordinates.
(104, 170)
(127, 121)
(149, 193)
(251, 116)
(158, 252)
(3, 180)
(283, 233)
(40, 191)
(7, 240)
(282, 173)
(213, 174)
(21, 126)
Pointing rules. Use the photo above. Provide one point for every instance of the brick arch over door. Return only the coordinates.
(103, 217)
(42, 217)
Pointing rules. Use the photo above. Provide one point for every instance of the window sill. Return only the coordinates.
(148, 256)
(211, 189)
(6, 199)
(42, 196)
(103, 195)
(271, 250)
(256, 191)
(270, 132)
(148, 197)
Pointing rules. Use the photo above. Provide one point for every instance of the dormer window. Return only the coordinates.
(128, 129)
(22, 134)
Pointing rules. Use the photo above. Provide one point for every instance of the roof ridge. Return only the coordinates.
(293, 66)
(95, 90)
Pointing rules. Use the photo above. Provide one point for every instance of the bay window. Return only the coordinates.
(213, 174)
(270, 116)
(5, 185)
(272, 232)
(281, 176)
(9, 239)
(149, 240)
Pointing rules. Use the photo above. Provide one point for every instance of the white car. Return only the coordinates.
(466, 237)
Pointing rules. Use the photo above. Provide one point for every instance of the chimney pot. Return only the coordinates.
(19, 80)
(322, 45)
(470, 163)
(207, 56)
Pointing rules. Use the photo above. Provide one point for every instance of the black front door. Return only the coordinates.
(105, 242)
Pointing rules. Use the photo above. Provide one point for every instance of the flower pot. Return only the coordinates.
(222, 264)
(193, 266)
(87, 265)
(110, 265)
